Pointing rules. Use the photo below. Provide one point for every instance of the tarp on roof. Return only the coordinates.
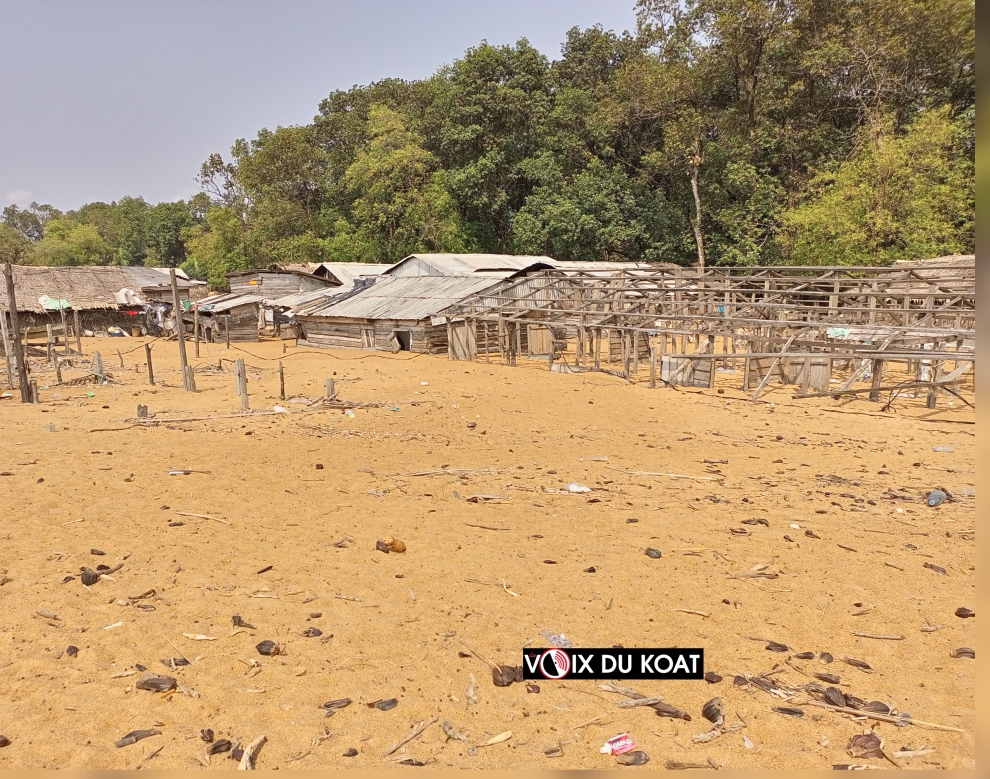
(346, 272)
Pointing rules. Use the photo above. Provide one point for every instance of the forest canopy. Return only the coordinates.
(721, 132)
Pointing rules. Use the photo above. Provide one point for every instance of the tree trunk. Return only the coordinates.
(695, 162)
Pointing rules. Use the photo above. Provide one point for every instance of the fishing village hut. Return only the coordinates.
(395, 314)
(276, 282)
(91, 299)
(154, 284)
(346, 277)
(233, 317)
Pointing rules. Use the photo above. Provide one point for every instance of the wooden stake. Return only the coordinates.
(78, 330)
(51, 344)
(151, 370)
(34, 392)
(933, 389)
(331, 393)
(98, 365)
(196, 328)
(877, 373)
(226, 328)
(58, 370)
(15, 327)
(188, 380)
(8, 356)
(488, 358)
(653, 367)
(281, 381)
(121, 358)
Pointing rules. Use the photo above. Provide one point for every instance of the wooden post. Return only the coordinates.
(188, 380)
(635, 354)
(933, 390)
(121, 358)
(35, 398)
(78, 330)
(653, 366)
(240, 376)
(805, 375)
(7, 355)
(518, 341)
(98, 365)
(626, 356)
(488, 358)
(331, 392)
(196, 328)
(151, 370)
(281, 381)
(598, 348)
(15, 327)
(51, 344)
(226, 329)
(877, 369)
(580, 345)
(58, 370)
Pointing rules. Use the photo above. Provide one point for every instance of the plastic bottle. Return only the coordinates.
(936, 497)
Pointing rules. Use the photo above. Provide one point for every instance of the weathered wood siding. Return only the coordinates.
(348, 333)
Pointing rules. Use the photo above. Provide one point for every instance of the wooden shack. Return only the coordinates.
(277, 282)
(91, 298)
(394, 314)
(231, 314)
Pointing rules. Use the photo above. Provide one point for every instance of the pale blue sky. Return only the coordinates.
(105, 98)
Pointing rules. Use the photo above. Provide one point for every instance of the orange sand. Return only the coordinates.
(401, 638)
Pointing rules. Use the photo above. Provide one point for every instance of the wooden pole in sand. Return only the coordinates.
(151, 370)
(196, 328)
(188, 381)
(8, 356)
(281, 381)
(77, 329)
(15, 327)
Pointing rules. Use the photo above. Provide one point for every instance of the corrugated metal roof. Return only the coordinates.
(156, 278)
(294, 270)
(412, 298)
(300, 298)
(464, 264)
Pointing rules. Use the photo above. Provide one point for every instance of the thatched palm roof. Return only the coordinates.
(85, 287)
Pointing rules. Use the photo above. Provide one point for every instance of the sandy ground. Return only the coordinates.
(802, 465)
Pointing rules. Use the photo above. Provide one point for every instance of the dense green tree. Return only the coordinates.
(30, 221)
(401, 204)
(163, 234)
(69, 242)
(898, 197)
(14, 245)
(721, 132)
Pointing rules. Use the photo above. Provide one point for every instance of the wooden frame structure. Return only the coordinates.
(789, 324)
